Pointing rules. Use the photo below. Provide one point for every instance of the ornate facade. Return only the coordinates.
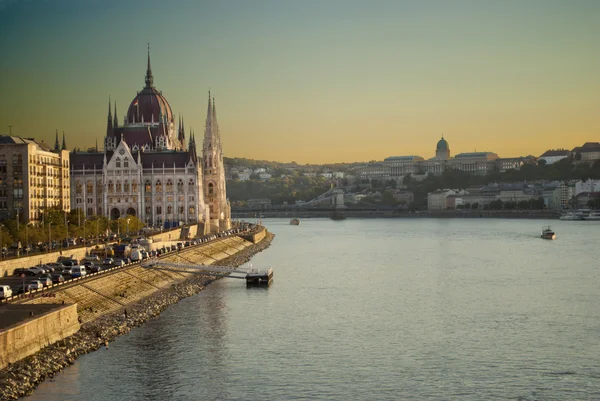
(148, 170)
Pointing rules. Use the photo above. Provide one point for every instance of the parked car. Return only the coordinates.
(46, 281)
(119, 263)
(66, 270)
(57, 278)
(37, 270)
(20, 270)
(92, 258)
(35, 285)
(96, 269)
(78, 271)
(5, 291)
(108, 262)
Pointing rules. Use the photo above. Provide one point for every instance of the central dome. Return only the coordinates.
(149, 104)
(442, 144)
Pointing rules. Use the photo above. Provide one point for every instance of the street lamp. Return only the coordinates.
(128, 227)
(49, 237)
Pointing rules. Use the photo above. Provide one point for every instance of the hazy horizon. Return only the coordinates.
(312, 82)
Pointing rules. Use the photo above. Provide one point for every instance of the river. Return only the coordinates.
(374, 309)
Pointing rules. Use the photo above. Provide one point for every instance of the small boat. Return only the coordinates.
(548, 233)
(295, 222)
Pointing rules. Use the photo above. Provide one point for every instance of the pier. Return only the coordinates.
(253, 276)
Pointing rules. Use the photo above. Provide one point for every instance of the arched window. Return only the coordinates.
(78, 187)
(118, 162)
(126, 186)
(211, 188)
(90, 187)
(191, 185)
(118, 186)
(158, 186)
(111, 187)
(169, 209)
(147, 186)
(126, 163)
(99, 187)
(169, 186)
(134, 187)
(180, 186)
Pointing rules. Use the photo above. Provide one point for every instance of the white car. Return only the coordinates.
(5, 291)
(35, 285)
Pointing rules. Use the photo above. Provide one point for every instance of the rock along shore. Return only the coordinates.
(21, 378)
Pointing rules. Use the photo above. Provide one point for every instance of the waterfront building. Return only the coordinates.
(436, 200)
(587, 186)
(148, 169)
(33, 177)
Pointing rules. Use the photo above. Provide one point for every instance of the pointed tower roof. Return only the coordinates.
(192, 148)
(116, 121)
(64, 145)
(149, 77)
(56, 144)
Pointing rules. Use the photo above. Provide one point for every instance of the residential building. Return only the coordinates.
(33, 178)
(436, 200)
(587, 186)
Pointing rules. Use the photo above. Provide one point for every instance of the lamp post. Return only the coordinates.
(1, 243)
(49, 237)
(128, 227)
(84, 238)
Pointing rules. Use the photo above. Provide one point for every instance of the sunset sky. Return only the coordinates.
(312, 81)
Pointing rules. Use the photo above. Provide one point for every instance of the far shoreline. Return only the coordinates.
(360, 214)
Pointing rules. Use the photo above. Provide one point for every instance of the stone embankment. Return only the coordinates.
(21, 378)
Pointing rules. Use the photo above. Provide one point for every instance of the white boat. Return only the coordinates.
(572, 216)
(593, 215)
(548, 233)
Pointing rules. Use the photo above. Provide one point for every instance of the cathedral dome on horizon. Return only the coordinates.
(442, 144)
(149, 103)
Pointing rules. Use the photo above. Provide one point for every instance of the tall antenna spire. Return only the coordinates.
(149, 77)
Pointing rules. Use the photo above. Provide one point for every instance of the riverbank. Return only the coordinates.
(21, 378)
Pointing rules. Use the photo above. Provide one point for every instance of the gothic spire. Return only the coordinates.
(116, 121)
(64, 145)
(149, 77)
(96, 144)
(56, 144)
(109, 115)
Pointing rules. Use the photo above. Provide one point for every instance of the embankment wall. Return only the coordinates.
(28, 337)
(112, 292)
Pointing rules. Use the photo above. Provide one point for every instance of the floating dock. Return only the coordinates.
(256, 277)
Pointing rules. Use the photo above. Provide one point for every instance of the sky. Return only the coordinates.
(312, 81)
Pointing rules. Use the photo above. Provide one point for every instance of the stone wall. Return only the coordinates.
(28, 337)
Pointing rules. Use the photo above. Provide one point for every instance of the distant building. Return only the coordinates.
(587, 186)
(554, 155)
(590, 152)
(397, 167)
(33, 177)
(436, 200)
(259, 203)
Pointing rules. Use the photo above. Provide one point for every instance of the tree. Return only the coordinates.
(475, 205)
(407, 180)
(542, 162)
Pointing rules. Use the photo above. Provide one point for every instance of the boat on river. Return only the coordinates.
(548, 233)
(577, 215)
(295, 222)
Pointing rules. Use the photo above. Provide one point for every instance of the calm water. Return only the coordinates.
(474, 309)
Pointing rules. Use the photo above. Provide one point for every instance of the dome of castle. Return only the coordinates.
(442, 144)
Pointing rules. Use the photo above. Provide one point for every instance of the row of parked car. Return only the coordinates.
(45, 275)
